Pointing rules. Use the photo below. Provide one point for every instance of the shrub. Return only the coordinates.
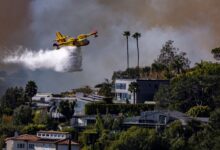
(94, 108)
(32, 128)
(199, 111)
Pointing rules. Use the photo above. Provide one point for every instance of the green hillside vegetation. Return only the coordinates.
(199, 86)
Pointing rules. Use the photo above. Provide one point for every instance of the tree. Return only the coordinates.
(106, 89)
(216, 53)
(42, 117)
(172, 60)
(84, 90)
(33, 128)
(136, 36)
(127, 34)
(99, 124)
(12, 98)
(139, 139)
(198, 86)
(199, 111)
(133, 88)
(30, 90)
(67, 109)
(157, 68)
(131, 73)
(145, 71)
(215, 119)
(162, 96)
(22, 115)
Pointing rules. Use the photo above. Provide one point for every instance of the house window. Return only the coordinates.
(124, 96)
(120, 86)
(20, 145)
(31, 146)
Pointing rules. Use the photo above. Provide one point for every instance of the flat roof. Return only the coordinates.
(54, 132)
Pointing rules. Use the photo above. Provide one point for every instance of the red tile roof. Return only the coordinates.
(66, 142)
(24, 137)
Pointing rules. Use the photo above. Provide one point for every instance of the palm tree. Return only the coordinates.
(133, 88)
(127, 34)
(137, 35)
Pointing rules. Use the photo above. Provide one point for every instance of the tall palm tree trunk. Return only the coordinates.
(136, 36)
(127, 53)
(138, 58)
(134, 97)
(138, 53)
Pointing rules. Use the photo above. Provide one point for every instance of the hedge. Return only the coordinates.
(94, 108)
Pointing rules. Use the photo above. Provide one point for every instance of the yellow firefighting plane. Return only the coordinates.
(81, 40)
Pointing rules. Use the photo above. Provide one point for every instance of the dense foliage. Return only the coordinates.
(66, 108)
(172, 60)
(199, 111)
(135, 109)
(139, 139)
(12, 98)
(30, 90)
(105, 88)
(198, 86)
(22, 115)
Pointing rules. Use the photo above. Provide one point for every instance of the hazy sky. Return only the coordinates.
(192, 24)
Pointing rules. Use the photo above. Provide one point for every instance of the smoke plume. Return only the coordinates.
(192, 24)
(66, 59)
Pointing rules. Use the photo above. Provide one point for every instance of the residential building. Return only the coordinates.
(82, 121)
(44, 140)
(146, 89)
(160, 118)
(122, 92)
(149, 119)
(42, 97)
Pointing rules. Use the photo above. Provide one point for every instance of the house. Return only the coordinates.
(42, 97)
(160, 118)
(146, 89)
(122, 92)
(149, 119)
(82, 121)
(44, 140)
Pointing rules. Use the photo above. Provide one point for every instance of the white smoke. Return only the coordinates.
(66, 59)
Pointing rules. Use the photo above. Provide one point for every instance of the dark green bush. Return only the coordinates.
(94, 108)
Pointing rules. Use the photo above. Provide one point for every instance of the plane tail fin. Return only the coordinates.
(60, 37)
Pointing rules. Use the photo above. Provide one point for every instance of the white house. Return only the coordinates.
(121, 90)
(44, 140)
(42, 97)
